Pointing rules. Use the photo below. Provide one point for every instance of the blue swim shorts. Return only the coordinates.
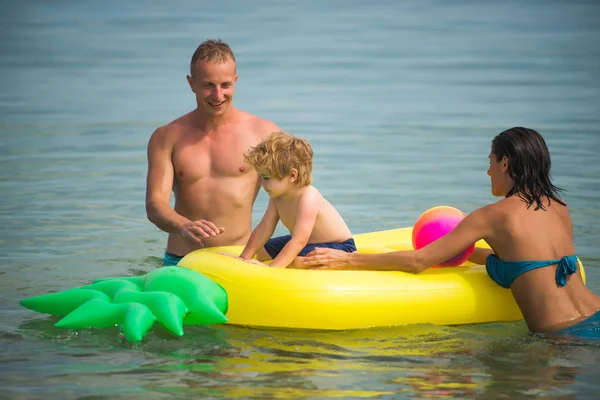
(587, 329)
(170, 259)
(276, 244)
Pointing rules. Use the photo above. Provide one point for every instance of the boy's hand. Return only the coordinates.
(230, 255)
(253, 261)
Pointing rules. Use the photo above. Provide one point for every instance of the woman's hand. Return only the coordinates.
(324, 258)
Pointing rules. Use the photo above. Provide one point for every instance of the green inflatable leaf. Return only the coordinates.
(168, 309)
(62, 303)
(135, 318)
(170, 295)
(111, 287)
(206, 301)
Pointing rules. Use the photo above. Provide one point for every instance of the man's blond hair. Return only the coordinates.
(215, 51)
(279, 153)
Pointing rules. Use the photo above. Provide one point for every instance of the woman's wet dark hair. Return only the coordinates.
(528, 165)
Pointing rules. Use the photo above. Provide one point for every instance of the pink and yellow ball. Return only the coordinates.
(435, 223)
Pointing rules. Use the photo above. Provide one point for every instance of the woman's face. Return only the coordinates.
(498, 172)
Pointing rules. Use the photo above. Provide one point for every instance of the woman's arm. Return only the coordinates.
(262, 233)
(306, 215)
(471, 229)
(480, 255)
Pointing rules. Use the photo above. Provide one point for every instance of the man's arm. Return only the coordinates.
(159, 183)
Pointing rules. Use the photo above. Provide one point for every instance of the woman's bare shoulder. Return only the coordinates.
(489, 218)
(492, 211)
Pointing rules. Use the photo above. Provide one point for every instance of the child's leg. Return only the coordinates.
(272, 248)
(296, 262)
(262, 255)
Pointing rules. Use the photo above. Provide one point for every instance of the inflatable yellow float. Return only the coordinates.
(210, 288)
(335, 300)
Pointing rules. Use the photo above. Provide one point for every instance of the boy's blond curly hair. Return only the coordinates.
(278, 153)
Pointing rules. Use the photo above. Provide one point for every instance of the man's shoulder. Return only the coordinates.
(173, 128)
(260, 126)
(178, 124)
(167, 135)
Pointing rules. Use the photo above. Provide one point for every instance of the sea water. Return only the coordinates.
(400, 100)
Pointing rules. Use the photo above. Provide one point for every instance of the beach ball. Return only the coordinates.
(435, 223)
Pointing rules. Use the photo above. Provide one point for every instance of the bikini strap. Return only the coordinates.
(567, 266)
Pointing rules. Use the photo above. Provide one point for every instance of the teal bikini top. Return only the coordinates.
(505, 272)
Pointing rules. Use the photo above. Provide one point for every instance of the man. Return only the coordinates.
(199, 156)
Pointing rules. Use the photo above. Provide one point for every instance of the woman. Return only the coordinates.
(530, 223)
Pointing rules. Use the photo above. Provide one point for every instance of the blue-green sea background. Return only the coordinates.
(400, 100)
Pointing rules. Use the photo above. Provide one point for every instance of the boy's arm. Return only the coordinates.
(263, 231)
(306, 215)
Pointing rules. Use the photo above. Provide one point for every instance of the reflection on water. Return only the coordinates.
(237, 362)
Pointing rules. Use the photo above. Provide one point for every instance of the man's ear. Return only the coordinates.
(191, 83)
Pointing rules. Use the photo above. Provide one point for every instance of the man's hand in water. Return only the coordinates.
(198, 231)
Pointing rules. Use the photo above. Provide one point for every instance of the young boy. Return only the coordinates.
(284, 164)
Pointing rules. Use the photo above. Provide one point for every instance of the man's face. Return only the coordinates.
(213, 84)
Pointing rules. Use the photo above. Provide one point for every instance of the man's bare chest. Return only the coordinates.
(194, 161)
